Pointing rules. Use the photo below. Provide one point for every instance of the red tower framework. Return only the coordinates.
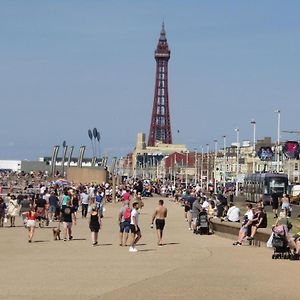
(160, 128)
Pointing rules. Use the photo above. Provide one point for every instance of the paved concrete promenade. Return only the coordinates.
(187, 267)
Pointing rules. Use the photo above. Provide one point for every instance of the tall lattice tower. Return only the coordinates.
(160, 128)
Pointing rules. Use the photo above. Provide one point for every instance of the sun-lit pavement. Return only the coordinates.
(187, 267)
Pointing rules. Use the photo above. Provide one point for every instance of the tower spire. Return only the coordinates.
(163, 32)
(160, 128)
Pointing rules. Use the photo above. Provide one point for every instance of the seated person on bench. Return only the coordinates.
(259, 221)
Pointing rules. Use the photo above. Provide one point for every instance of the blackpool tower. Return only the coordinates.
(160, 128)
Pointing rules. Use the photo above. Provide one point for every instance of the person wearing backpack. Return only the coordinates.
(124, 221)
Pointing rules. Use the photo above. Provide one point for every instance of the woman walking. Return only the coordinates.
(12, 210)
(95, 224)
(30, 224)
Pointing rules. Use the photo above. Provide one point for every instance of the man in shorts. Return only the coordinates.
(275, 204)
(196, 209)
(68, 218)
(124, 221)
(160, 214)
(134, 227)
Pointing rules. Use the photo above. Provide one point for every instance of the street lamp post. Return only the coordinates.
(196, 167)
(224, 161)
(278, 138)
(253, 122)
(65, 149)
(207, 166)
(215, 166)
(186, 169)
(201, 174)
(237, 130)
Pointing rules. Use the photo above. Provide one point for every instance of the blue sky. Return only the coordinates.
(67, 66)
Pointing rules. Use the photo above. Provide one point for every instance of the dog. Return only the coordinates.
(56, 233)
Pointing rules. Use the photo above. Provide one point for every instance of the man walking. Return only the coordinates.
(160, 214)
(68, 217)
(85, 199)
(134, 227)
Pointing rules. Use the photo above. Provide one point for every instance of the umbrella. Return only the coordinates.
(61, 182)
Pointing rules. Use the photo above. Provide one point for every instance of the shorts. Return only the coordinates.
(275, 204)
(30, 223)
(244, 229)
(160, 224)
(67, 225)
(285, 206)
(125, 226)
(133, 230)
(40, 212)
(52, 209)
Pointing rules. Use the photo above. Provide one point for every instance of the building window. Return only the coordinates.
(296, 167)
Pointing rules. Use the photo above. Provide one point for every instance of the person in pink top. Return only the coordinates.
(126, 196)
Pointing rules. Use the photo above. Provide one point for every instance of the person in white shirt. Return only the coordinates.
(249, 213)
(233, 214)
(134, 227)
(246, 226)
(205, 204)
(85, 199)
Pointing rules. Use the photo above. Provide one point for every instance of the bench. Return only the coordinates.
(231, 230)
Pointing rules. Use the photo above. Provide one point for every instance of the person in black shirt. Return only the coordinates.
(40, 208)
(95, 224)
(68, 218)
(259, 221)
(2, 211)
(275, 204)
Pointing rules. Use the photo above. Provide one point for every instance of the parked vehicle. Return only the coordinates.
(295, 194)
(262, 185)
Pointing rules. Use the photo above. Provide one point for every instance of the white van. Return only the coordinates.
(295, 194)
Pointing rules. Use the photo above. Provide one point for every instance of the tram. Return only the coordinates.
(262, 185)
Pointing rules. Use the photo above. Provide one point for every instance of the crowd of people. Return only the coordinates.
(40, 202)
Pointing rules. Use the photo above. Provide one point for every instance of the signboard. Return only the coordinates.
(291, 149)
(265, 153)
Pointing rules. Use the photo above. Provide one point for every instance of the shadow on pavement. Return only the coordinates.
(167, 244)
(147, 250)
(41, 241)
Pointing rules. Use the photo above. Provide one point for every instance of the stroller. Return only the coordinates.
(280, 243)
(202, 223)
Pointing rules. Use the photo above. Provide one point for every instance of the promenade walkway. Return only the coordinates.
(187, 267)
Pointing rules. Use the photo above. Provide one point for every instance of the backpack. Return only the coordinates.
(127, 214)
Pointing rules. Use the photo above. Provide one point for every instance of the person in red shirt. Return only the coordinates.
(30, 224)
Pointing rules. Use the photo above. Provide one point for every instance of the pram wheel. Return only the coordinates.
(273, 256)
